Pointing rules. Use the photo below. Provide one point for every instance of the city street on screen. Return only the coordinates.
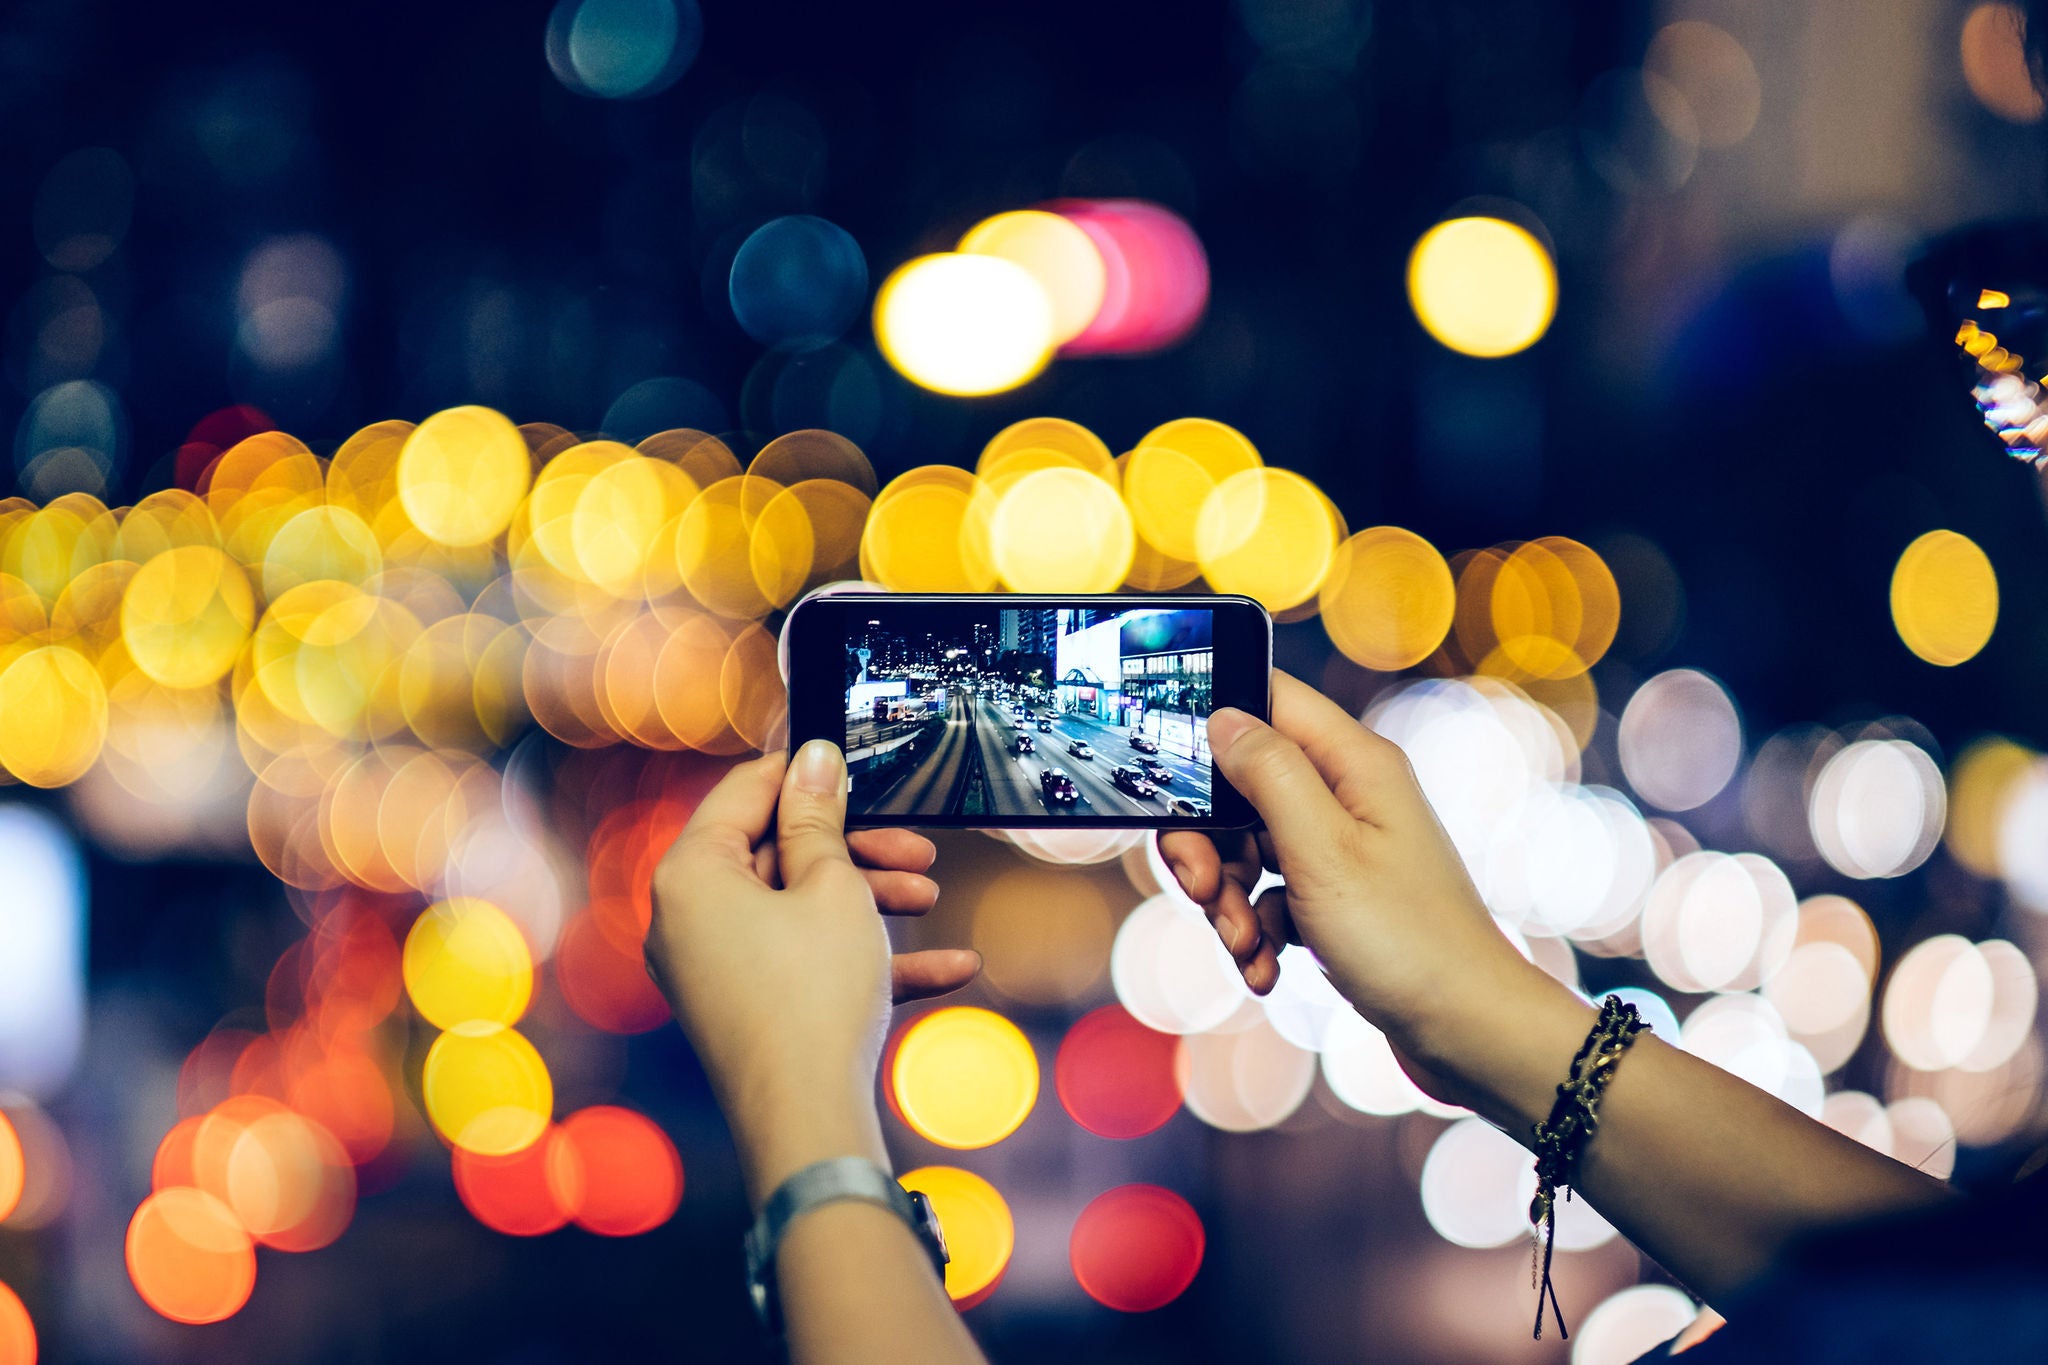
(1005, 713)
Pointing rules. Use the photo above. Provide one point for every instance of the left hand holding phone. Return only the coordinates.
(766, 941)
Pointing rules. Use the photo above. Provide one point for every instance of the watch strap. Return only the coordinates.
(821, 1183)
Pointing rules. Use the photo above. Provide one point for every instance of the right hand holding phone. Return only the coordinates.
(1374, 885)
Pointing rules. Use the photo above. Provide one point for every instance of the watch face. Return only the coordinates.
(928, 1224)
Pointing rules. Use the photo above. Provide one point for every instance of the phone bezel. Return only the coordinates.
(1241, 670)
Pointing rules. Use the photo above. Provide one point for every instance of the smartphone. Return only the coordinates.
(1006, 711)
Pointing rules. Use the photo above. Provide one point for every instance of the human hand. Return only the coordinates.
(772, 955)
(1373, 883)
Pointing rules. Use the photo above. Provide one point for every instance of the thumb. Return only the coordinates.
(810, 821)
(1274, 774)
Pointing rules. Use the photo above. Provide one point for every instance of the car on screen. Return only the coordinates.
(1128, 778)
(1187, 808)
(1026, 744)
(1044, 725)
(1079, 748)
(1154, 770)
(1144, 744)
(1057, 788)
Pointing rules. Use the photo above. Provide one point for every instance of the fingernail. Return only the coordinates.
(1232, 932)
(1227, 724)
(820, 769)
(1180, 874)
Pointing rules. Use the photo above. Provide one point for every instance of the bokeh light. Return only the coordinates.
(1244, 1079)
(627, 1177)
(1044, 938)
(1060, 530)
(1702, 84)
(1627, 1324)
(1060, 256)
(1170, 971)
(1388, 598)
(13, 1168)
(964, 324)
(1995, 63)
(980, 1232)
(1878, 808)
(1267, 534)
(525, 1193)
(461, 475)
(17, 1330)
(1482, 286)
(1115, 1077)
(1954, 1003)
(622, 49)
(1469, 1184)
(487, 1089)
(964, 1077)
(1944, 598)
(42, 957)
(1155, 275)
(1680, 739)
(1985, 778)
(189, 1258)
(1137, 1248)
(466, 961)
(797, 279)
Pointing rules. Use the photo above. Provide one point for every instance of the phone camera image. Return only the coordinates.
(990, 712)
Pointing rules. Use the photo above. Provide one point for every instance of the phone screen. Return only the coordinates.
(1005, 711)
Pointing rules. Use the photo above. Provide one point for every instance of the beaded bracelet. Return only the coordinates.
(1561, 1138)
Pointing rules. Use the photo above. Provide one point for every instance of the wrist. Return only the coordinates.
(778, 1134)
(1500, 1038)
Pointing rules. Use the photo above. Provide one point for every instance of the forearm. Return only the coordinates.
(1707, 1173)
(857, 1286)
(853, 1281)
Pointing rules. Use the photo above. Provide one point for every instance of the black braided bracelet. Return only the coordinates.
(1560, 1139)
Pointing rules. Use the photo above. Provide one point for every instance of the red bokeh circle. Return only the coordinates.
(1136, 1248)
(1115, 1076)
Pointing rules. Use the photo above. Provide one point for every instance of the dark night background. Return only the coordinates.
(1710, 388)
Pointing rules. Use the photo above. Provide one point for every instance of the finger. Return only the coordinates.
(734, 815)
(900, 849)
(935, 971)
(1305, 821)
(1362, 769)
(901, 893)
(1235, 921)
(1194, 861)
(1262, 973)
(1276, 923)
(810, 822)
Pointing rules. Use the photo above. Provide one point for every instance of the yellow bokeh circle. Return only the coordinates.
(964, 324)
(1059, 255)
(1266, 533)
(53, 716)
(912, 541)
(1080, 446)
(1389, 598)
(980, 1232)
(964, 1077)
(1482, 286)
(462, 473)
(487, 1089)
(1061, 530)
(186, 614)
(1944, 598)
(321, 542)
(465, 960)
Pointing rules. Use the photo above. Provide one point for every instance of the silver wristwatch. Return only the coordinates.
(827, 1182)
